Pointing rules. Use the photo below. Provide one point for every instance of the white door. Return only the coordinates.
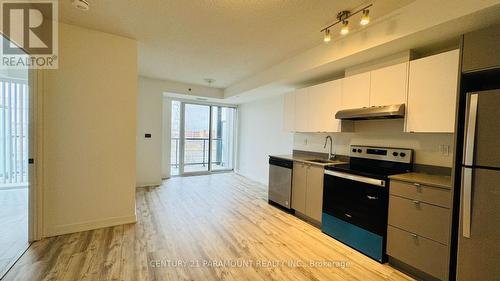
(432, 93)
(356, 91)
(324, 102)
(389, 85)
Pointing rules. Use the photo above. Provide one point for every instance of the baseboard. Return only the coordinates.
(139, 185)
(250, 178)
(88, 225)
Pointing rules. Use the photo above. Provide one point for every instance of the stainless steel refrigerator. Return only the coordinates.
(479, 227)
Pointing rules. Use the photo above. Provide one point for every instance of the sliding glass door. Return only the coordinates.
(195, 140)
(222, 136)
(202, 138)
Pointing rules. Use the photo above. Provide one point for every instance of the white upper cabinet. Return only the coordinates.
(427, 86)
(389, 85)
(289, 112)
(356, 91)
(325, 101)
(432, 93)
(302, 110)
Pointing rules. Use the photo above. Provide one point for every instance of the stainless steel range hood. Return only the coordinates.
(374, 112)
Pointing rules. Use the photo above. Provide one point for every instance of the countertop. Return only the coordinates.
(305, 158)
(441, 181)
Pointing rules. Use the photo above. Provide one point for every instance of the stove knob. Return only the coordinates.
(402, 154)
(395, 154)
(359, 150)
(354, 150)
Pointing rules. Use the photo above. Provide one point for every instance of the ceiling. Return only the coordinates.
(227, 40)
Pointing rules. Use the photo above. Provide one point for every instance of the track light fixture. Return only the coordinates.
(343, 17)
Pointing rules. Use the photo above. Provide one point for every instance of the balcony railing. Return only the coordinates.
(196, 152)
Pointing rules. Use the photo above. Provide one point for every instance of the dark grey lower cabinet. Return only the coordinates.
(419, 252)
(419, 228)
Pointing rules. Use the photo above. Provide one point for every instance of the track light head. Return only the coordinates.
(365, 19)
(345, 27)
(328, 36)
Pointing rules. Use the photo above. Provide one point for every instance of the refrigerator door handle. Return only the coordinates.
(470, 134)
(467, 202)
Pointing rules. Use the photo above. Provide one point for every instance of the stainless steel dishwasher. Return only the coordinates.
(280, 181)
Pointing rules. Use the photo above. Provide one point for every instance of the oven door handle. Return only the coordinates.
(357, 178)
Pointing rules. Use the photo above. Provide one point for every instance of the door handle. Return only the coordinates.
(470, 134)
(466, 203)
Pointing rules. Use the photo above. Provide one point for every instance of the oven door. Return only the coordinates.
(358, 200)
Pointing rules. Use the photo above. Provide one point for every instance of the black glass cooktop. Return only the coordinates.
(372, 168)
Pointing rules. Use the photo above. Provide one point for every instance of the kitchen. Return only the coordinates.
(252, 140)
(374, 192)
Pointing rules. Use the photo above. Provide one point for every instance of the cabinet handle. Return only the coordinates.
(467, 204)
(416, 202)
(347, 215)
(414, 235)
(371, 197)
(417, 185)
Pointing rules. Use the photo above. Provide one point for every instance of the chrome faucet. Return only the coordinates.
(331, 155)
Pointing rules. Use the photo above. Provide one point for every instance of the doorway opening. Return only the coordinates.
(14, 170)
(202, 138)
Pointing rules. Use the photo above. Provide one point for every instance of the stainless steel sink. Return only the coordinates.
(323, 161)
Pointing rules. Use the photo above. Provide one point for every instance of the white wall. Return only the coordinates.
(385, 133)
(167, 133)
(89, 129)
(260, 133)
(154, 116)
(150, 121)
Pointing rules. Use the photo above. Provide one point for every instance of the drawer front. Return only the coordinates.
(428, 194)
(421, 253)
(420, 218)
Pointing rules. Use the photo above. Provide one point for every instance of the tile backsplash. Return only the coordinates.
(430, 149)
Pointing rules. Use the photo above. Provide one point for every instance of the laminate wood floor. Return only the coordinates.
(217, 227)
(13, 225)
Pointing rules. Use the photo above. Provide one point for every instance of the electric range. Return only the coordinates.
(356, 197)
